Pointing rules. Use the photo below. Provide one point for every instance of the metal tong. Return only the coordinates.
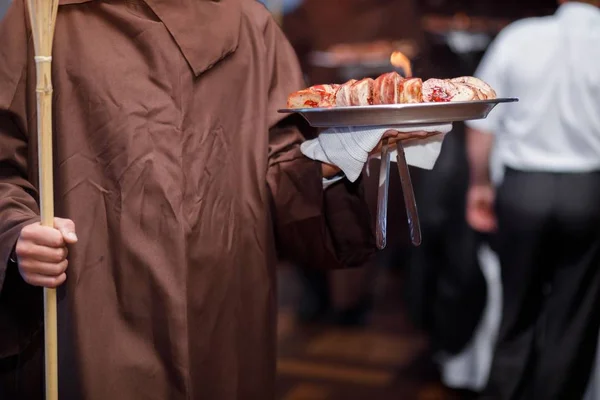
(382, 195)
(409, 196)
(407, 190)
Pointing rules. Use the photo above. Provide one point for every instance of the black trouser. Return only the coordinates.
(549, 248)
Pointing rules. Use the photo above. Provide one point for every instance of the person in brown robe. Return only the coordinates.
(182, 183)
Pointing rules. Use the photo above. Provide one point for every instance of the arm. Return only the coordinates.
(40, 251)
(322, 228)
(480, 138)
(18, 206)
(479, 148)
(480, 212)
(20, 304)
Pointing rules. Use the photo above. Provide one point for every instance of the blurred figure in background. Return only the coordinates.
(547, 209)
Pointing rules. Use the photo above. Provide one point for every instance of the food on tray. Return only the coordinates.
(484, 90)
(361, 92)
(391, 88)
(412, 91)
(439, 90)
(386, 89)
(342, 98)
(314, 96)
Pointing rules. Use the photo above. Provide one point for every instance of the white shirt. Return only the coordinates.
(552, 64)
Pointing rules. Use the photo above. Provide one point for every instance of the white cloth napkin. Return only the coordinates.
(348, 148)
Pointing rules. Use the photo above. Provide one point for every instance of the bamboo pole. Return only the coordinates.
(42, 14)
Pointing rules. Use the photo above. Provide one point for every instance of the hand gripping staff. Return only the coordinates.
(42, 14)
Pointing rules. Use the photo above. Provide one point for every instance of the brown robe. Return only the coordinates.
(184, 184)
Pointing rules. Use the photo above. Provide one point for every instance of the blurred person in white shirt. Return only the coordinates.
(546, 211)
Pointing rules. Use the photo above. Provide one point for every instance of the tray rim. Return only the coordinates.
(395, 106)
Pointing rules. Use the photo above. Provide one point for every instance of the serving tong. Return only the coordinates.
(407, 190)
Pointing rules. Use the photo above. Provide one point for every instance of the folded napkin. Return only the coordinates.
(348, 148)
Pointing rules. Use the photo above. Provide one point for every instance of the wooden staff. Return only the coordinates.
(42, 14)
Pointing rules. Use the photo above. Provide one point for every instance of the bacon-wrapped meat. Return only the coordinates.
(361, 93)
(387, 88)
(484, 90)
(391, 88)
(342, 97)
(314, 96)
(440, 90)
(412, 91)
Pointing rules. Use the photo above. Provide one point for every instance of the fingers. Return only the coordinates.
(42, 236)
(480, 210)
(394, 136)
(481, 221)
(67, 228)
(33, 268)
(42, 252)
(390, 133)
(44, 281)
(28, 250)
(62, 233)
(415, 135)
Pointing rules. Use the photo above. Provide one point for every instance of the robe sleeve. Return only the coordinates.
(18, 205)
(315, 227)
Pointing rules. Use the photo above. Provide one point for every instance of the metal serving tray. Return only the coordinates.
(399, 114)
